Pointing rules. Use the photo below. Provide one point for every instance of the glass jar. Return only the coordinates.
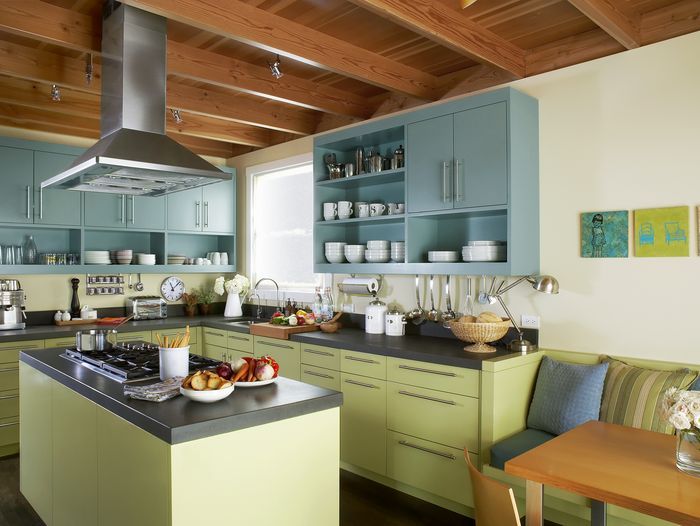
(688, 451)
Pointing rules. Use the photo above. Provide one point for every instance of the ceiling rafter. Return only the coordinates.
(452, 29)
(245, 23)
(606, 15)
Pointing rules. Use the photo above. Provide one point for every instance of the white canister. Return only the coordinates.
(224, 258)
(375, 316)
(174, 362)
(216, 258)
(395, 324)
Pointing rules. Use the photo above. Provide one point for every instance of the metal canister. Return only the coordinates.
(360, 160)
(398, 159)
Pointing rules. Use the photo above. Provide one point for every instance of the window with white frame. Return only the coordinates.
(280, 230)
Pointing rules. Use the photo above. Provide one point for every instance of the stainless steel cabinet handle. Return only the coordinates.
(241, 338)
(9, 424)
(424, 397)
(133, 210)
(363, 360)
(10, 369)
(361, 384)
(196, 213)
(122, 209)
(8, 397)
(41, 203)
(321, 353)
(446, 195)
(458, 194)
(321, 375)
(428, 450)
(212, 333)
(206, 214)
(280, 345)
(29, 203)
(431, 371)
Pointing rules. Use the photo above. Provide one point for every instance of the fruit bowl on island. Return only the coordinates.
(486, 328)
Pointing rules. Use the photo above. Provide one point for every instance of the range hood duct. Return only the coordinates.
(134, 156)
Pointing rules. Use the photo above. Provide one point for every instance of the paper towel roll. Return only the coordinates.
(359, 286)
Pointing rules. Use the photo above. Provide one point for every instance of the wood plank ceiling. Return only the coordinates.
(343, 60)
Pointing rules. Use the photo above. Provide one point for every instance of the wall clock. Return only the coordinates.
(172, 288)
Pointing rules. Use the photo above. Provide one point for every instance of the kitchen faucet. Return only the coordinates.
(258, 307)
(277, 295)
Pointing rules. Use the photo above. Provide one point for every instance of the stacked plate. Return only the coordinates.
(145, 259)
(485, 251)
(443, 256)
(335, 252)
(355, 253)
(398, 251)
(123, 257)
(97, 257)
(176, 260)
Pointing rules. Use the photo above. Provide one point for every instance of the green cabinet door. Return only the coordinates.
(52, 206)
(481, 156)
(145, 213)
(218, 207)
(363, 422)
(429, 148)
(287, 354)
(185, 210)
(17, 175)
(105, 210)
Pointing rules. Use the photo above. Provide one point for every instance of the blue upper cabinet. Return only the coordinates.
(51, 206)
(185, 211)
(210, 209)
(16, 198)
(105, 210)
(218, 207)
(145, 213)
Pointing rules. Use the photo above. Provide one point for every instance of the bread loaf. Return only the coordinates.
(467, 319)
(488, 317)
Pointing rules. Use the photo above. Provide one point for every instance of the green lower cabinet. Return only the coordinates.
(9, 433)
(9, 377)
(234, 355)
(428, 466)
(325, 357)
(363, 422)
(142, 336)
(67, 341)
(241, 342)
(287, 354)
(215, 352)
(326, 378)
(75, 490)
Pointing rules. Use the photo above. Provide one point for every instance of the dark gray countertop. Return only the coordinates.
(179, 419)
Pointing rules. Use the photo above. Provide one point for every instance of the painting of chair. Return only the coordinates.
(646, 234)
(674, 232)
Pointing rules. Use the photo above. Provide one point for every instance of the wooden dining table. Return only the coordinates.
(610, 464)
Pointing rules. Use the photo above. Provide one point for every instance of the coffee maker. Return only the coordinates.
(12, 297)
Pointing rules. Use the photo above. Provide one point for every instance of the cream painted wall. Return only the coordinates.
(621, 132)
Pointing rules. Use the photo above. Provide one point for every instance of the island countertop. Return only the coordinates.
(179, 419)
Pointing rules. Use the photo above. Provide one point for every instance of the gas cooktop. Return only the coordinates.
(129, 361)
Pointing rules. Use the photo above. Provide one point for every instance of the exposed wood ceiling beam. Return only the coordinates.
(473, 79)
(245, 23)
(451, 28)
(610, 19)
(35, 19)
(670, 21)
(211, 128)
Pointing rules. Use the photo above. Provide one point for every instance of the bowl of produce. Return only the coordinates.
(249, 371)
(206, 387)
(486, 328)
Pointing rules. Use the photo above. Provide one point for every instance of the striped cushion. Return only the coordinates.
(632, 395)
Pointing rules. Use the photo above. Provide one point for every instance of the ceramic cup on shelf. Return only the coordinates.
(391, 208)
(344, 209)
(330, 211)
(216, 258)
(400, 208)
(361, 209)
(376, 209)
(224, 258)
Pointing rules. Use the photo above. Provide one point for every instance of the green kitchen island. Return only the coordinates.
(90, 456)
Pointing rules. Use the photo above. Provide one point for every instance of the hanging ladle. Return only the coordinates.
(433, 313)
(449, 315)
(417, 315)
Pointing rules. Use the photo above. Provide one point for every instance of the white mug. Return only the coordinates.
(376, 209)
(391, 208)
(362, 209)
(330, 210)
(344, 209)
(400, 208)
(216, 258)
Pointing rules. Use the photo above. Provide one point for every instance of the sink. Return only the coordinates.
(246, 322)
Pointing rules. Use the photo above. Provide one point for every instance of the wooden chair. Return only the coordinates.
(494, 502)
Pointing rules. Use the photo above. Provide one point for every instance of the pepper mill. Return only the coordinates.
(75, 302)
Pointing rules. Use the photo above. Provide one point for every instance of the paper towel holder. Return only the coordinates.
(361, 287)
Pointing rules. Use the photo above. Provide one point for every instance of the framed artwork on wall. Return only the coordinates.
(661, 232)
(605, 234)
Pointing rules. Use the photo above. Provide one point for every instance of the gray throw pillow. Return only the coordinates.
(566, 395)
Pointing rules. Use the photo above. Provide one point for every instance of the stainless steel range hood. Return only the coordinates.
(134, 156)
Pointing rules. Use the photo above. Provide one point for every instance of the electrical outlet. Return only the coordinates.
(530, 321)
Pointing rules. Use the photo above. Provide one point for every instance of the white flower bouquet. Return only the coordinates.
(239, 284)
(682, 409)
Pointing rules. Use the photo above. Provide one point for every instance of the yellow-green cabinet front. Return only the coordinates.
(286, 353)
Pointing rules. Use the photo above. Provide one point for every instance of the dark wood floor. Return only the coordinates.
(362, 503)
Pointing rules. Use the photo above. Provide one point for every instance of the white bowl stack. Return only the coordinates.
(335, 251)
(443, 256)
(123, 257)
(145, 259)
(485, 251)
(355, 253)
(398, 251)
(97, 257)
(378, 251)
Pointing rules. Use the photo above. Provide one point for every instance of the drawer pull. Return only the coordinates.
(240, 338)
(321, 353)
(363, 360)
(424, 397)
(273, 344)
(9, 424)
(428, 450)
(217, 334)
(361, 384)
(321, 375)
(10, 369)
(9, 397)
(431, 371)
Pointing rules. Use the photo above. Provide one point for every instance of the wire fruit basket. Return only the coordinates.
(480, 334)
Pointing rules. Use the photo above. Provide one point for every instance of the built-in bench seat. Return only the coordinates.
(519, 443)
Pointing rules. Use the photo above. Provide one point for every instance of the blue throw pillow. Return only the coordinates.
(566, 395)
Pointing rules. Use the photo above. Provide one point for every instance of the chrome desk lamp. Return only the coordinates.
(544, 283)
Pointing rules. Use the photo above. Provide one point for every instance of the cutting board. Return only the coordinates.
(280, 332)
(76, 321)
